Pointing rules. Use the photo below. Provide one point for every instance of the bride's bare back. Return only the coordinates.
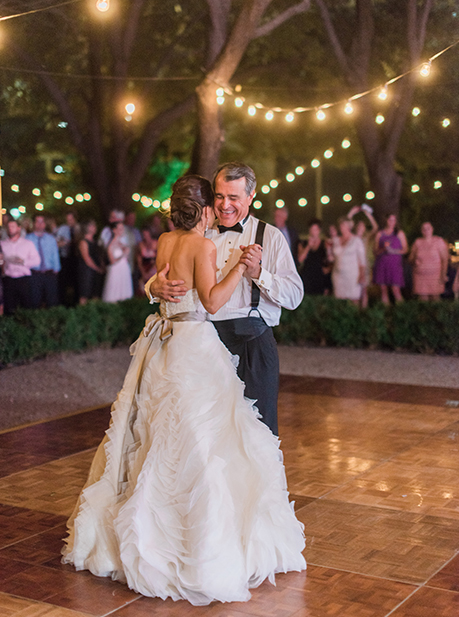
(192, 259)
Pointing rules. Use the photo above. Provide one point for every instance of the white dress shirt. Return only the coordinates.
(279, 282)
(25, 249)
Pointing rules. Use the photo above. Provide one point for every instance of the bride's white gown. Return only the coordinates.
(186, 496)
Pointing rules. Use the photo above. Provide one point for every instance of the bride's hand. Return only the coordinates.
(164, 289)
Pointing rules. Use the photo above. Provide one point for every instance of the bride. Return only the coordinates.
(186, 496)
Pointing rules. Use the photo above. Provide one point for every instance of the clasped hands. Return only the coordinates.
(173, 290)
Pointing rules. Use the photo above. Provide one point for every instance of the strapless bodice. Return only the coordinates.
(189, 303)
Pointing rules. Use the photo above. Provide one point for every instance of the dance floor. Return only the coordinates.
(374, 472)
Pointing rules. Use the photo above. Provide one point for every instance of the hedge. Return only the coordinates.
(410, 326)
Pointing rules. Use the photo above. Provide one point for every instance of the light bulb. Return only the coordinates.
(349, 109)
(269, 115)
(103, 5)
(315, 163)
(445, 122)
(383, 93)
(345, 143)
(425, 69)
(290, 177)
(328, 154)
(379, 119)
(320, 115)
(274, 184)
(239, 102)
(130, 108)
(290, 116)
(415, 111)
(252, 110)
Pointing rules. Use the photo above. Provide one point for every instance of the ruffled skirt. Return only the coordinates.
(186, 496)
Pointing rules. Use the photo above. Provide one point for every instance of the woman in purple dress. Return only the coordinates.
(390, 245)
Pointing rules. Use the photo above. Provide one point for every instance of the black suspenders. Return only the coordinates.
(255, 289)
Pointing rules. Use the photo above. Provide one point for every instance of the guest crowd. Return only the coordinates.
(45, 264)
(356, 254)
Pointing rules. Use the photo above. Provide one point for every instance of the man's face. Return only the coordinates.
(13, 230)
(130, 219)
(39, 224)
(231, 201)
(280, 217)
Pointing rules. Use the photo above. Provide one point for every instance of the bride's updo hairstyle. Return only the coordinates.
(190, 195)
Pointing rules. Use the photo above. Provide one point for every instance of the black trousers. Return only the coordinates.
(16, 293)
(44, 289)
(253, 341)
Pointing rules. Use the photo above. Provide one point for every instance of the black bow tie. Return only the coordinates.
(237, 228)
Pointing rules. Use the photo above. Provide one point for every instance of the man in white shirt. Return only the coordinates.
(271, 282)
(20, 255)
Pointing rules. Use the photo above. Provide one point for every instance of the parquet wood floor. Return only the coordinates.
(374, 472)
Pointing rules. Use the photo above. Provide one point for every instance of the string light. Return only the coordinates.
(302, 202)
(299, 171)
(220, 100)
(325, 199)
(349, 109)
(383, 93)
(290, 177)
(290, 116)
(252, 110)
(79, 198)
(315, 163)
(415, 188)
(415, 111)
(136, 197)
(69, 200)
(265, 189)
(320, 115)
(445, 122)
(130, 108)
(257, 204)
(274, 184)
(328, 153)
(39, 206)
(347, 197)
(86, 196)
(280, 203)
(379, 119)
(103, 5)
(57, 195)
(345, 144)
(239, 102)
(36, 192)
(425, 69)
(437, 184)
(369, 195)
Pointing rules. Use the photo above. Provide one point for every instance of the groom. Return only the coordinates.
(271, 282)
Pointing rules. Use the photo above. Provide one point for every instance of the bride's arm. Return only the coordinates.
(214, 295)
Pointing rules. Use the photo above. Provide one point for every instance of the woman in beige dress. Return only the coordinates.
(429, 256)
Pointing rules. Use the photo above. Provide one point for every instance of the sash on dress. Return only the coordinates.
(156, 331)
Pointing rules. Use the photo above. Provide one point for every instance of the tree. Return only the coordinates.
(226, 48)
(379, 143)
(112, 59)
(103, 60)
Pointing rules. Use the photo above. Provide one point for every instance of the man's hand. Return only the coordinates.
(251, 257)
(162, 288)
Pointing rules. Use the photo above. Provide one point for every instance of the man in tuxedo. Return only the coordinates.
(271, 282)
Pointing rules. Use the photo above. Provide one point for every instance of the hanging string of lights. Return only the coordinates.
(289, 113)
(44, 8)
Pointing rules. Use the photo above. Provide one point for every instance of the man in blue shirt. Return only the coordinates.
(44, 288)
